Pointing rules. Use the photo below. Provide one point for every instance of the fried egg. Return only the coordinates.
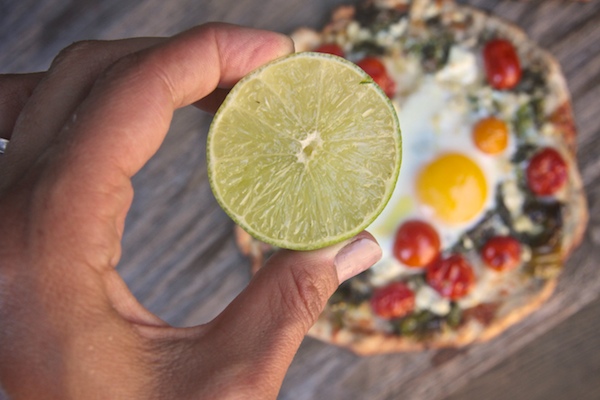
(445, 178)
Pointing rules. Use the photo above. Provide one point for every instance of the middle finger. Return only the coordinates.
(15, 90)
(67, 82)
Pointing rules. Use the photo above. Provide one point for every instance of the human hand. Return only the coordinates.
(70, 328)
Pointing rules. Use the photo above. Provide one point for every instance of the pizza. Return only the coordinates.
(489, 202)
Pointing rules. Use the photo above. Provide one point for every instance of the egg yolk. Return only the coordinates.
(491, 135)
(453, 187)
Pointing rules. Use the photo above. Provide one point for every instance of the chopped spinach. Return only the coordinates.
(531, 80)
(454, 317)
(528, 117)
(433, 51)
(480, 233)
(548, 216)
(353, 291)
(376, 19)
(524, 121)
(369, 47)
(524, 152)
(421, 324)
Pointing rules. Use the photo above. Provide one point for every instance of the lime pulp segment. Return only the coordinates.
(305, 151)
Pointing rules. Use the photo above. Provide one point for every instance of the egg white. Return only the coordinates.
(436, 118)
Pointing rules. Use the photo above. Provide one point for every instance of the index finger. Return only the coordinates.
(128, 112)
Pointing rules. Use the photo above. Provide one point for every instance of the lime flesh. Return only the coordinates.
(304, 152)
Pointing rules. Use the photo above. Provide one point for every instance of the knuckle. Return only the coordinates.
(140, 66)
(304, 295)
(75, 52)
(128, 65)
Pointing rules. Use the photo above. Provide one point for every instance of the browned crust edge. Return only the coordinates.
(378, 343)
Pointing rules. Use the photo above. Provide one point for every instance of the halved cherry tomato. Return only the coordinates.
(375, 68)
(330, 48)
(501, 253)
(393, 301)
(546, 172)
(502, 66)
(452, 276)
(416, 243)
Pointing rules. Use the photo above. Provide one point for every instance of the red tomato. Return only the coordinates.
(502, 66)
(375, 68)
(393, 301)
(452, 277)
(501, 253)
(416, 243)
(330, 48)
(546, 172)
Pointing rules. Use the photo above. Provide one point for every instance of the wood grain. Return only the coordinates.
(569, 371)
(179, 256)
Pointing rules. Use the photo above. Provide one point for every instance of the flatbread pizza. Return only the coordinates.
(489, 202)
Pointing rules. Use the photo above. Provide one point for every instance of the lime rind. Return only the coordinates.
(253, 148)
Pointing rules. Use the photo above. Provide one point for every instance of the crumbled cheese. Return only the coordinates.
(468, 243)
(461, 67)
(387, 270)
(548, 130)
(524, 224)
(513, 196)
(484, 291)
(428, 299)
(399, 28)
(407, 73)
(362, 316)
(384, 39)
(353, 30)
(484, 98)
(509, 103)
(389, 36)
(356, 34)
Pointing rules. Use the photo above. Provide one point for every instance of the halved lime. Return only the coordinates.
(305, 151)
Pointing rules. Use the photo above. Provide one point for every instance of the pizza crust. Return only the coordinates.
(370, 343)
(482, 323)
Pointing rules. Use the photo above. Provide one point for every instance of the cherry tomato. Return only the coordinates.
(502, 66)
(330, 48)
(452, 276)
(501, 253)
(546, 172)
(393, 301)
(375, 68)
(416, 243)
(491, 135)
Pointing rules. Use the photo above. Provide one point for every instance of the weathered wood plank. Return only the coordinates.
(179, 257)
(564, 363)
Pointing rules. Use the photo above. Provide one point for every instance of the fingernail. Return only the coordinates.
(356, 257)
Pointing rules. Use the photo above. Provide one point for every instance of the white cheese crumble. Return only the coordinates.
(428, 299)
(461, 67)
(513, 196)
(491, 286)
(388, 270)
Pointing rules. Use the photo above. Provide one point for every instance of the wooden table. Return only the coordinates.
(180, 259)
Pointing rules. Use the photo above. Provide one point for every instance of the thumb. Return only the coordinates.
(267, 322)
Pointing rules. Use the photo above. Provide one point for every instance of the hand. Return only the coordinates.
(70, 328)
